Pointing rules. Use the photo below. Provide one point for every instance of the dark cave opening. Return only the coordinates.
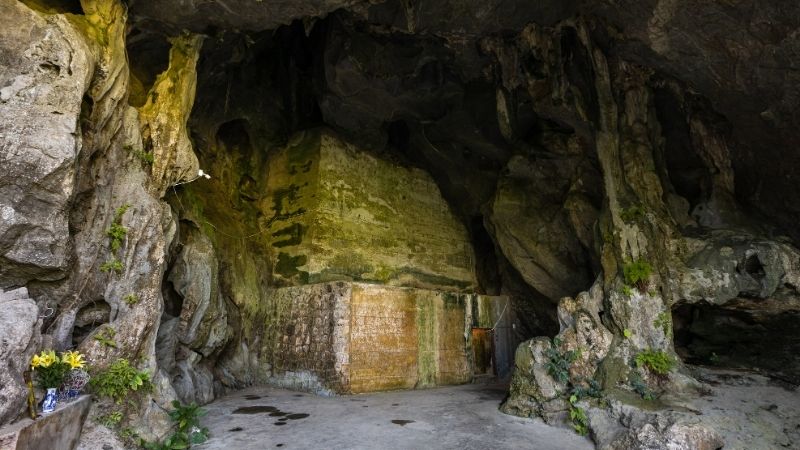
(89, 318)
(745, 333)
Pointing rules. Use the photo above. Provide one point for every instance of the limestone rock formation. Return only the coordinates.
(621, 173)
(46, 67)
(19, 339)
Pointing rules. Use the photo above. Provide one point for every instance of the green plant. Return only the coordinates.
(145, 157)
(713, 358)
(632, 213)
(110, 420)
(116, 232)
(188, 432)
(664, 321)
(112, 265)
(637, 273)
(627, 291)
(49, 369)
(106, 337)
(640, 387)
(558, 362)
(577, 415)
(119, 379)
(627, 333)
(131, 299)
(591, 389)
(657, 361)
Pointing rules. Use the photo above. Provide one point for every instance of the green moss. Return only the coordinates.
(131, 299)
(657, 361)
(632, 213)
(287, 266)
(426, 341)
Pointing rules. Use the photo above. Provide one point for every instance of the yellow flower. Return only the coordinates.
(46, 359)
(36, 362)
(74, 359)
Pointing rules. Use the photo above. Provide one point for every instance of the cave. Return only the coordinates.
(566, 213)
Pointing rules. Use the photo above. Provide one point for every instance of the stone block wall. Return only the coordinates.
(335, 213)
(344, 337)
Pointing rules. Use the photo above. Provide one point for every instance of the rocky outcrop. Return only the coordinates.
(46, 67)
(19, 340)
(621, 160)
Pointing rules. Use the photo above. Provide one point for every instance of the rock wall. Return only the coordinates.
(339, 213)
(342, 337)
(614, 161)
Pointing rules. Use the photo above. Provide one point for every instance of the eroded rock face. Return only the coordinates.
(19, 340)
(46, 67)
(563, 142)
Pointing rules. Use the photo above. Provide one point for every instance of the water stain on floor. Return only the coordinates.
(252, 397)
(297, 416)
(280, 423)
(254, 409)
(236, 429)
(402, 422)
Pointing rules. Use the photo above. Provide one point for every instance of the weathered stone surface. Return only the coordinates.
(532, 225)
(19, 340)
(59, 429)
(45, 67)
(344, 337)
(727, 265)
(202, 326)
(338, 213)
(533, 391)
(164, 116)
(237, 14)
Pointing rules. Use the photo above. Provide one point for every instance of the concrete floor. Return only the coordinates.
(457, 417)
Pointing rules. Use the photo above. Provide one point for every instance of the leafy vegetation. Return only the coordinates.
(131, 299)
(112, 265)
(627, 333)
(640, 387)
(110, 420)
(119, 380)
(116, 234)
(627, 291)
(187, 429)
(577, 415)
(657, 361)
(664, 321)
(558, 363)
(143, 156)
(106, 337)
(637, 273)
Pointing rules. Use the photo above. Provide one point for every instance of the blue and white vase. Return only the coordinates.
(50, 400)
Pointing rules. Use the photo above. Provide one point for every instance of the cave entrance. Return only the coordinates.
(741, 334)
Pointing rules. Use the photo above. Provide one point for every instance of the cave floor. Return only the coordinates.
(457, 417)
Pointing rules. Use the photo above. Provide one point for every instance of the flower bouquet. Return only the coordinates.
(52, 372)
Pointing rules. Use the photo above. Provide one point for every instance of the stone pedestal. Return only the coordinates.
(59, 429)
